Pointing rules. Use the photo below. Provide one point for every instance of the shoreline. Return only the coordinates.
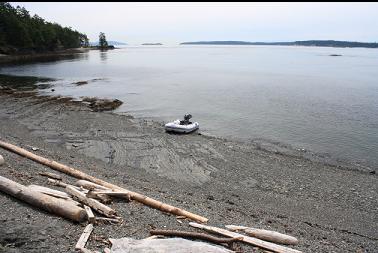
(329, 209)
(46, 56)
(272, 146)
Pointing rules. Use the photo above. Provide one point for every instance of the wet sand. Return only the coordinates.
(328, 207)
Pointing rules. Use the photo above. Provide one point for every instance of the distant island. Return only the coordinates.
(309, 43)
(151, 44)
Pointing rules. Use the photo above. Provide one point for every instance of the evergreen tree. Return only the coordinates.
(102, 40)
(21, 32)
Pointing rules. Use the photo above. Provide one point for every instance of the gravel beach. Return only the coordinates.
(328, 207)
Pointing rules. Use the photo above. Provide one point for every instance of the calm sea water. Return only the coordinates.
(300, 96)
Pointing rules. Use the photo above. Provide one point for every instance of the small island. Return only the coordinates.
(152, 44)
(102, 43)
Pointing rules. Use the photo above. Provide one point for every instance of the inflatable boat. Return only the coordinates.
(182, 126)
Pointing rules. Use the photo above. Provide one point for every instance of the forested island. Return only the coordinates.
(313, 43)
(21, 33)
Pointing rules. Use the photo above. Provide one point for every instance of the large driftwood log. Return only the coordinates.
(96, 205)
(48, 191)
(81, 175)
(266, 235)
(54, 205)
(247, 239)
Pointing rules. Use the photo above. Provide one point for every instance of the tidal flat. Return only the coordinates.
(329, 208)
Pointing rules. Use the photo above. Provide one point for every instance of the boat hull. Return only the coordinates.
(176, 127)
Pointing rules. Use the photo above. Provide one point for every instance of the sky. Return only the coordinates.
(171, 23)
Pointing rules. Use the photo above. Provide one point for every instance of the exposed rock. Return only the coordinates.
(97, 104)
(81, 83)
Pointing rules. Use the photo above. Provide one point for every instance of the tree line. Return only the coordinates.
(21, 32)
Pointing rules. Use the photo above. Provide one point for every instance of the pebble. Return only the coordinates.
(2, 161)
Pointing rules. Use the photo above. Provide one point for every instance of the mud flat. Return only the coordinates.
(328, 208)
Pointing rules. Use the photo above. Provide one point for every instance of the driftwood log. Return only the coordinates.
(91, 217)
(51, 175)
(117, 194)
(84, 237)
(48, 191)
(2, 161)
(81, 175)
(57, 182)
(61, 207)
(96, 205)
(267, 235)
(91, 186)
(104, 198)
(247, 239)
(115, 220)
(195, 235)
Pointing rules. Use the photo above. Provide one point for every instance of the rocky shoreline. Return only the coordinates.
(328, 208)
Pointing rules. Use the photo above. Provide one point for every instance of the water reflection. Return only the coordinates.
(25, 83)
(27, 59)
(104, 56)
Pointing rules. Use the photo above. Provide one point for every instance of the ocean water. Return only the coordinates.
(299, 96)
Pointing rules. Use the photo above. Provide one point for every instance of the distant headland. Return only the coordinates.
(309, 43)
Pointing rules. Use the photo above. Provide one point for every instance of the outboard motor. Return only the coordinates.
(186, 121)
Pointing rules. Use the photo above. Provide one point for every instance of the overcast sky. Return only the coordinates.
(172, 23)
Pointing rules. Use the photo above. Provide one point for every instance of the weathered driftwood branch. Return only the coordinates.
(54, 205)
(57, 182)
(84, 237)
(81, 175)
(2, 161)
(99, 196)
(96, 205)
(91, 186)
(247, 239)
(51, 175)
(195, 235)
(118, 194)
(266, 235)
(113, 193)
(48, 191)
(64, 185)
(115, 220)
(91, 217)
